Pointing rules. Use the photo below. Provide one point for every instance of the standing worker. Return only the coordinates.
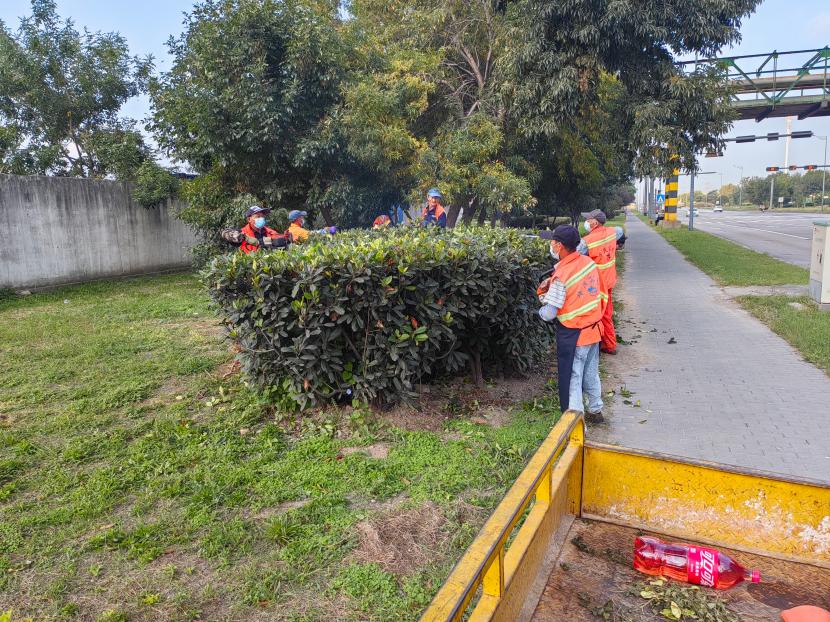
(296, 231)
(600, 244)
(255, 235)
(573, 298)
(434, 213)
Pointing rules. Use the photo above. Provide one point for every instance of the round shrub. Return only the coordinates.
(369, 315)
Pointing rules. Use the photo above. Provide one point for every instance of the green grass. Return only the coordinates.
(807, 330)
(731, 264)
(136, 483)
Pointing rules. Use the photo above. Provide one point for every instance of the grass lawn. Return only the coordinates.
(731, 264)
(807, 329)
(140, 481)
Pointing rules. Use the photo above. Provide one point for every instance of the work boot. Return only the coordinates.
(594, 417)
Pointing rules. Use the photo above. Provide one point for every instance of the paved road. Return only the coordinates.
(782, 235)
(712, 382)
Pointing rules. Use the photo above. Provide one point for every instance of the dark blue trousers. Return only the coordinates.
(566, 339)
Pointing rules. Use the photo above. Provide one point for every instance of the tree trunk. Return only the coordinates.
(325, 210)
(452, 215)
(470, 210)
(482, 216)
(475, 366)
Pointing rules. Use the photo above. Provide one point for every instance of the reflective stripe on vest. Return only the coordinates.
(610, 238)
(584, 296)
(602, 248)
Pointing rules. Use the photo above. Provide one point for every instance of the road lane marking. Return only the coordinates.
(789, 235)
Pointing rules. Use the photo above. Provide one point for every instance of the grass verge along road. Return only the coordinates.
(140, 480)
(731, 264)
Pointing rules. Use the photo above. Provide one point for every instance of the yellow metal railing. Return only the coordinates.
(552, 482)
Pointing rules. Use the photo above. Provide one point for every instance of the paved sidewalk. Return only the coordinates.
(727, 389)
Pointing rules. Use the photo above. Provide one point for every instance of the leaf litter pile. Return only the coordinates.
(670, 601)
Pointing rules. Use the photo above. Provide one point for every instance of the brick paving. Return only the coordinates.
(727, 389)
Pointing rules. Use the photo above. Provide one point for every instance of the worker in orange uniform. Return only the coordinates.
(600, 244)
(573, 297)
(297, 231)
(434, 213)
(256, 236)
(382, 222)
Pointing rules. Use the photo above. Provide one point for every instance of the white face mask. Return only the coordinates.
(587, 226)
(553, 253)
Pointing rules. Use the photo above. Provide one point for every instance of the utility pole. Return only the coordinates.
(771, 188)
(787, 144)
(823, 170)
(692, 202)
(740, 185)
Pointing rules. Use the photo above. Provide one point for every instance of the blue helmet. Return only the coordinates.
(434, 193)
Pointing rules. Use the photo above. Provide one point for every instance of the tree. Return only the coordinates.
(60, 93)
(730, 194)
(251, 99)
(425, 106)
(562, 50)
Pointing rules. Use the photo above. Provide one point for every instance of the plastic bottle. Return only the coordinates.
(690, 564)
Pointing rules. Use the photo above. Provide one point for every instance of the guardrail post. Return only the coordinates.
(493, 581)
(575, 480)
(543, 493)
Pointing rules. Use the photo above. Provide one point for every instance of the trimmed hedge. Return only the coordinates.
(370, 314)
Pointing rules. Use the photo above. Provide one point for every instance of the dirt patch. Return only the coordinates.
(281, 508)
(378, 451)
(412, 419)
(402, 541)
(493, 416)
(177, 385)
(491, 402)
(209, 327)
(228, 369)
(734, 291)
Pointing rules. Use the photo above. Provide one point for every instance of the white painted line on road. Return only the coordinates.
(789, 235)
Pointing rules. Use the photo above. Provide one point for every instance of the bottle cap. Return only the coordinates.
(756, 576)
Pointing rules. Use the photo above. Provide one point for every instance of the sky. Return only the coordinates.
(776, 25)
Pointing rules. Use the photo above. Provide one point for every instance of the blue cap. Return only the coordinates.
(294, 214)
(434, 193)
(256, 209)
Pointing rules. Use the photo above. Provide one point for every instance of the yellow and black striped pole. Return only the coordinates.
(671, 196)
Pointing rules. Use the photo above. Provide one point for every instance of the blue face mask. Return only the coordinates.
(587, 226)
(259, 223)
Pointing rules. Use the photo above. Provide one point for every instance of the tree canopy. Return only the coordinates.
(60, 94)
(509, 107)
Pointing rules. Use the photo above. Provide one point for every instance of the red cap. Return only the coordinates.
(756, 576)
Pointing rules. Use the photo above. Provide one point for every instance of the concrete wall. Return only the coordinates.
(56, 230)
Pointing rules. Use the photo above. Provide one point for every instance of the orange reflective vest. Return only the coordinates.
(602, 248)
(298, 234)
(249, 232)
(585, 297)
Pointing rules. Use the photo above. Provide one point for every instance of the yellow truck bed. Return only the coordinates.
(525, 564)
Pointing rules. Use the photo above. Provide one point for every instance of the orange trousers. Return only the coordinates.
(609, 337)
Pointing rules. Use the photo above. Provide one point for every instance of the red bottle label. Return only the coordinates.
(702, 566)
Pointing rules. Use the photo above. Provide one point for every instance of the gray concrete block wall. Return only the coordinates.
(57, 230)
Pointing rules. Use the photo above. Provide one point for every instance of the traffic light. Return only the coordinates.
(810, 167)
(793, 167)
(773, 169)
(802, 134)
